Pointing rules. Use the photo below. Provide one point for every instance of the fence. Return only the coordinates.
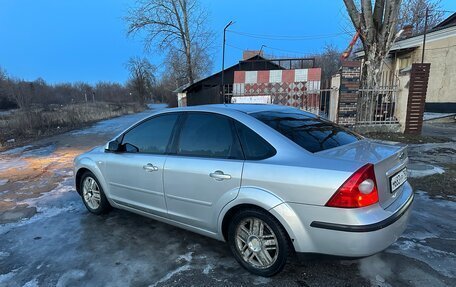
(376, 106)
(373, 106)
(314, 101)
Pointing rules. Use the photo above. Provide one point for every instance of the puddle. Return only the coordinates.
(40, 152)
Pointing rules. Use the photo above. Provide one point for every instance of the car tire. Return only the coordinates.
(258, 242)
(93, 195)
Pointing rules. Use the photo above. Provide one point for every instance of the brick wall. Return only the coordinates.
(348, 92)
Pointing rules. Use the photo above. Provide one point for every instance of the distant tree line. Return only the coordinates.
(19, 93)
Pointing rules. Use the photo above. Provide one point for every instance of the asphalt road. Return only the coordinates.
(47, 238)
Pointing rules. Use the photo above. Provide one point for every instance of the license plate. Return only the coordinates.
(398, 179)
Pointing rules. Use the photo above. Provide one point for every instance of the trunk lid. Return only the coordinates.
(389, 159)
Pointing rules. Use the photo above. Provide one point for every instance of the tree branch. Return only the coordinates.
(353, 13)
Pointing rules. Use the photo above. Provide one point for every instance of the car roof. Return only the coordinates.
(245, 108)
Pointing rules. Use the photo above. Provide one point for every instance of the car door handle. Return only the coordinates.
(150, 167)
(219, 175)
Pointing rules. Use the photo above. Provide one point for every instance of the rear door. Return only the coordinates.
(135, 175)
(205, 170)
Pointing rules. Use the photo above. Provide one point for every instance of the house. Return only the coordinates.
(208, 90)
(253, 64)
(440, 52)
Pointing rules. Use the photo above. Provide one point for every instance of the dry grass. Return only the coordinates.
(38, 122)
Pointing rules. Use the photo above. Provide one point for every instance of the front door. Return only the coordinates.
(135, 175)
(205, 170)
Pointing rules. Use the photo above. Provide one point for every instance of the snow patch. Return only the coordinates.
(17, 150)
(438, 260)
(31, 283)
(4, 254)
(208, 268)
(169, 275)
(43, 207)
(12, 164)
(261, 281)
(40, 152)
(431, 116)
(421, 170)
(187, 257)
(3, 181)
(66, 278)
(8, 276)
(42, 214)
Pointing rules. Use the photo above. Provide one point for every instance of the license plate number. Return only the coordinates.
(398, 179)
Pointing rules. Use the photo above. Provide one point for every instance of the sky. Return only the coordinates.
(85, 40)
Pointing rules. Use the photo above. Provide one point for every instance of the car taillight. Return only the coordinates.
(358, 191)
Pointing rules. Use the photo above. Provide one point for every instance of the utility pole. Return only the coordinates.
(223, 61)
(424, 34)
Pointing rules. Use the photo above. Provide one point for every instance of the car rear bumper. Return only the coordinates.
(351, 232)
(368, 227)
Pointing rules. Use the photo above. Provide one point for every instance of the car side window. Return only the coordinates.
(151, 136)
(253, 145)
(208, 135)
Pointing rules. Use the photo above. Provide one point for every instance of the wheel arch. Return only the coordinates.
(88, 165)
(255, 198)
(78, 176)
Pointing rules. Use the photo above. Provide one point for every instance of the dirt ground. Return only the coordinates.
(47, 238)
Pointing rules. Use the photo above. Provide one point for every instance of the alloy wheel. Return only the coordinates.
(257, 243)
(91, 193)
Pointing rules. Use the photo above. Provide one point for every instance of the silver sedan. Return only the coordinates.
(269, 180)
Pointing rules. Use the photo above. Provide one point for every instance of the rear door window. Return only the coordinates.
(208, 135)
(253, 145)
(310, 132)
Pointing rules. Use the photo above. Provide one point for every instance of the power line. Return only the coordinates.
(443, 11)
(286, 37)
(232, 46)
(272, 48)
(284, 50)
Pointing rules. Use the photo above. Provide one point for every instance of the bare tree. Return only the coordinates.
(175, 66)
(413, 12)
(85, 91)
(329, 61)
(376, 21)
(176, 26)
(20, 92)
(3, 74)
(142, 78)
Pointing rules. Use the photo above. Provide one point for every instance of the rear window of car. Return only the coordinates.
(310, 132)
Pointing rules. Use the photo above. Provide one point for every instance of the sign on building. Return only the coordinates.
(251, 100)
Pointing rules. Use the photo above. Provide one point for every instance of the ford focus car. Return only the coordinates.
(269, 180)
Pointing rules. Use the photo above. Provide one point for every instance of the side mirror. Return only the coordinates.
(113, 146)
